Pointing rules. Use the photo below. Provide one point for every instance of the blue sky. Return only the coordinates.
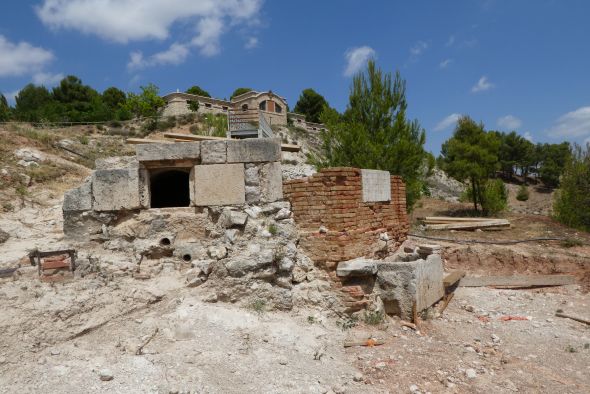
(519, 65)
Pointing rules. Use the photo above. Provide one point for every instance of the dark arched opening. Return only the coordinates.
(169, 188)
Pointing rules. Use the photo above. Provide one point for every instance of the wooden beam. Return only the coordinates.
(470, 225)
(363, 342)
(136, 141)
(451, 219)
(576, 318)
(453, 277)
(517, 280)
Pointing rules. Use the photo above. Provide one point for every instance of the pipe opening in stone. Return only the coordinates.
(187, 257)
(165, 241)
(169, 187)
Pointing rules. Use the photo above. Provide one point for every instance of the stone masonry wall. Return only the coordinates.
(339, 220)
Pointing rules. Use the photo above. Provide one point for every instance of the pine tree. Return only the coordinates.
(311, 104)
(374, 132)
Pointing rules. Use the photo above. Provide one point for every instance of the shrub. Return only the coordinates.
(572, 203)
(523, 193)
(495, 197)
(194, 129)
(258, 306)
(374, 318)
(571, 242)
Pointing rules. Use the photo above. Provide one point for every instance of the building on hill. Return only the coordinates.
(244, 108)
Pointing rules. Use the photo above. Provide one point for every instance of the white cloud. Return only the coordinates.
(450, 41)
(176, 54)
(22, 58)
(124, 21)
(357, 58)
(573, 124)
(445, 63)
(528, 136)
(482, 85)
(509, 122)
(251, 43)
(47, 79)
(447, 122)
(418, 48)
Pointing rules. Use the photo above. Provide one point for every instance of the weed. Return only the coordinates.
(374, 318)
(194, 129)
(272, 229)
(8, 207)
(83, 139)
(570, 349)
(346, 323)
(311, 320)
(571, 242)
(258, 306)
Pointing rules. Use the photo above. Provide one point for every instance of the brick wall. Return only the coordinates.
(332, 199)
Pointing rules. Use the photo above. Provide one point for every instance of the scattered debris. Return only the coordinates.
(370, 342)
(139, 350)
(511, 317)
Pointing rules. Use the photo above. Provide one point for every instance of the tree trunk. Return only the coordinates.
(474, 193)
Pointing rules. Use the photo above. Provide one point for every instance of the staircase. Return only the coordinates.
(248, 124)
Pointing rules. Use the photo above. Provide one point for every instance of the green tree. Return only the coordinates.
(145, 104)
(553, 158)
(516, 154)
(79, 102)
(198, 91)
(114, 98)
(311, 104)
(572, 203)
(4, 109)
(34, 103)
(239, 91)
(471, 154)
(374, 132)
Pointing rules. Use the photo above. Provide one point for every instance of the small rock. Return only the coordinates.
(2, 360)
(338, 389)
(470, 373)
(495, 338)
(283, 361)
(210, 298)
(105, 375)
(55, 352)
(469, 308)
(284, 213)
(323, 230)
(380, 365)
(358, 377)
(265, 234)
(414, 389)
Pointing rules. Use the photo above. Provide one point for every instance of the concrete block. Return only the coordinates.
(356, 267)
(115, 190)
(213, 152)
(271, 182)
(401, 284)
(219, 184)
(176, 151)
(80, 198)
(376, 185)
(254, 150)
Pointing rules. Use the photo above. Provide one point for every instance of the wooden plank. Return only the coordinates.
(363, 342)
(576, 318)
(135, 141)
(453, 277)
(469, 226)
(451, 219)
(517, 280)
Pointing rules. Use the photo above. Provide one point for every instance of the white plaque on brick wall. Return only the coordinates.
(376, 185)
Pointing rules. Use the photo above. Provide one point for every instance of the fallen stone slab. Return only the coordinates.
(356, 267)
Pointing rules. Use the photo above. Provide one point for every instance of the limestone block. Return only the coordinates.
(115, 190)
(252, 175)
(252, 194)
(219, 184)
(271, 182)
(116, 162)
(163, 151)
(213, 152)
(401, 284)
(254, 150)
(356, 267)
(229, 218)
(80, 198)
(376, 185)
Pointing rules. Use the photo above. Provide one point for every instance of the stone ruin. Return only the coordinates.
(219, 212)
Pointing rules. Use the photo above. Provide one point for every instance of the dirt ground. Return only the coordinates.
(158, 336)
